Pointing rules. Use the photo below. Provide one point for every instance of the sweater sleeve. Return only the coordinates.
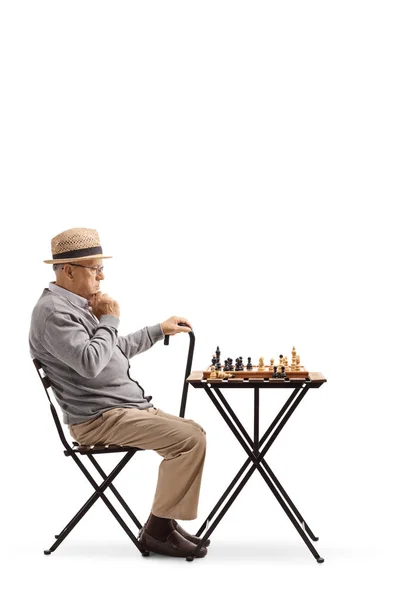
(69, 341)
(141, 340)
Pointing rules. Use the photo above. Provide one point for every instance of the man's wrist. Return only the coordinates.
(110, 320)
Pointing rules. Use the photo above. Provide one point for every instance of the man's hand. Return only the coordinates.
(103, 304)
(171, 327)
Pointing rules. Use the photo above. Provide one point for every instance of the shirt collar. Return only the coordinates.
(74, 298)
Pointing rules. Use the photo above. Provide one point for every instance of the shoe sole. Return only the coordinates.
(147, 549)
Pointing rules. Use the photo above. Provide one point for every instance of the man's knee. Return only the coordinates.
(198, 440)
(199, 427)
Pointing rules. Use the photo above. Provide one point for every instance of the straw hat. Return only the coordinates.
(74, 245)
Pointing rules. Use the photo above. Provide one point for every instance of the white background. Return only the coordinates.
(240, 162)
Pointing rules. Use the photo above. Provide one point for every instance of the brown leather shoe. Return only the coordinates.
(174, 545)
(192, 538)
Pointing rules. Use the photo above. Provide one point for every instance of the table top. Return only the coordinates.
(196, 380)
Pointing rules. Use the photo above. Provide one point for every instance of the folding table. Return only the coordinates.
(255, 447)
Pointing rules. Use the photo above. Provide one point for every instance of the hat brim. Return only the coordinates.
(72, 260)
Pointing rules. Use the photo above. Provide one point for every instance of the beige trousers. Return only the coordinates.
(181, 443)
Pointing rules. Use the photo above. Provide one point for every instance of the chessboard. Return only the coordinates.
(250, 373)
(280, 371)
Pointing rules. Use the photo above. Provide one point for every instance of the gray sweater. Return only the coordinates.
(85, 359)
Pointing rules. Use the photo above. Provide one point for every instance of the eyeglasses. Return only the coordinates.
(94, 270)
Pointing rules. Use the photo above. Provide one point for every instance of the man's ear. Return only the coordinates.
(68, 271)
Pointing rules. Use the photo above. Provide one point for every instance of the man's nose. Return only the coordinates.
(100, 275)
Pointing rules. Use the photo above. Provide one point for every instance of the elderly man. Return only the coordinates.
(74, 334)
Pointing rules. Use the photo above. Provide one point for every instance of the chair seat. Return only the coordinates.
(103, 449)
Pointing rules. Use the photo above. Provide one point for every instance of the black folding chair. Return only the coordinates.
(76, 451)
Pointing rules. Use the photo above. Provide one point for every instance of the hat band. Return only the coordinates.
(79, 253)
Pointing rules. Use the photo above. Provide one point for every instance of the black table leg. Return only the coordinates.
(263, 462)
(252, 448)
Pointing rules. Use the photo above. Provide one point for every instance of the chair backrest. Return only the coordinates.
(46, 384)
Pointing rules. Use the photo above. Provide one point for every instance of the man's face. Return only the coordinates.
(83, 281)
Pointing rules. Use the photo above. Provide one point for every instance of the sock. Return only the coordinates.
(158, 527)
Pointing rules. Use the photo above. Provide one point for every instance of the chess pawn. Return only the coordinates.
(281, 359)
(249, 366)
(297, 363)
(285, 361)
(282, 373)
(275, 371)
(213, 373)
(271, 364)
(261, 366)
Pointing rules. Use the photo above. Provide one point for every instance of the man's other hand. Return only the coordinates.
(171, 327)
(103, 304)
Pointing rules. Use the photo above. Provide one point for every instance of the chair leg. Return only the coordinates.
(99, 493)
(115, 492)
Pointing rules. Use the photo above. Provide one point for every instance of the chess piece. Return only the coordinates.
(285, 361)
(228, 365)
(213, 373)
(275, 371)
(222, 375)
(249, 366)
(271, 363)
(281, 359)
(293, 365)
(214, 360)
(261, 365)
(218, 357)
(239, 364)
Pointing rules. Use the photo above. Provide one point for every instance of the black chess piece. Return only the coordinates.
(218, 355)
(238, 365)
(249, 366)
(275, 371)
(226, 365)
(214, 360)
